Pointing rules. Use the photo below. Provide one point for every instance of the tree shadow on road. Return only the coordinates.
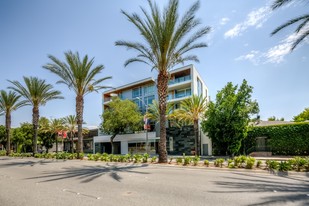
(89, 173)
(24, 163)
(278, 190)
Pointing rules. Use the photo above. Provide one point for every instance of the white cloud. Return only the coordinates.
(224, 20)
(255, 19)
(253, 56)
(276, 53)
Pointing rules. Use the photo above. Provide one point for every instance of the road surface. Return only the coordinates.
(38, 182)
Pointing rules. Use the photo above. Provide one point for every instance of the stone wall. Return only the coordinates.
(182, 140)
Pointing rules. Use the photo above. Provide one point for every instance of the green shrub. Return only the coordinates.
(292, 139)
(258, 163)
(250, 162)
(240, 160)
(2, 152)
(285, 166)
(179, 160)
(231, 165)
(219, 162)
(187, 160)
(145, 158)
(154, 159)
(104, 157)
(137, 158)
(298, 163)
(195, 160)
(206, 163)
(229, 162)
(273, 165)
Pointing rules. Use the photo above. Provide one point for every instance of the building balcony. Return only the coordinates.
(180, 80)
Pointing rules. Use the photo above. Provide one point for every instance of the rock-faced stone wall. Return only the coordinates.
(180, 140)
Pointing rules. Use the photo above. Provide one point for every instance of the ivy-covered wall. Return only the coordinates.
(291, 139)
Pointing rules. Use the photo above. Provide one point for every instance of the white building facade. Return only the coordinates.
(184, 82)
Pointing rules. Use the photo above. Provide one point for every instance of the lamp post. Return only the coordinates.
(146, 123)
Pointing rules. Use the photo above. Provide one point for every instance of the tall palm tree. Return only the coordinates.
(302, 28)
(79, 75)
(9, 102)
(192, 110)
(36, 92)
(56, 126)
(71, 125)
(164, 47)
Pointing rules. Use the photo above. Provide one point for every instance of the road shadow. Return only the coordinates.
(282, 191)
(89, 173)
(25, 163)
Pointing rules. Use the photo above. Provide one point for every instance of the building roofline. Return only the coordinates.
(129, 85)
(189, 66)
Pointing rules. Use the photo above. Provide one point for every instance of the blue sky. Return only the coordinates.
(240, 47)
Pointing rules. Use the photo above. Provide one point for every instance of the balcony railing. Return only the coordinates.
(179, 80)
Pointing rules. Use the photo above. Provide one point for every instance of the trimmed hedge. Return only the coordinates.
(291, 139)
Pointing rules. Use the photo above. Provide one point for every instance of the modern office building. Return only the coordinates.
(184, 82)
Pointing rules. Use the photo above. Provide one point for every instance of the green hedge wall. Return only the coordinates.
(291, 139)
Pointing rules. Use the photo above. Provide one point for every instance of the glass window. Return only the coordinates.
(183, 93)
(199, 87)
(148, 100)
(149, 89)
(136, 92)
(138, 102)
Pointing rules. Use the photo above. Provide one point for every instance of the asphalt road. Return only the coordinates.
(37, 182)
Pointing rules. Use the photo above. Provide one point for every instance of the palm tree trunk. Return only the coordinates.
(35, 122)
(8, 129)
(72, 142)
(197, 151)
(56, 136)
(112, 142)
(79, 116)
(162, 93)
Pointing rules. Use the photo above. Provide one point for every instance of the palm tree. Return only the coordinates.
(192, 109)
(45, 133)
(9, 101)
(302, 29)
(78, 75)
(71, 125)
(164, 47)
(153, 111)
(36, 92)
(56, 126)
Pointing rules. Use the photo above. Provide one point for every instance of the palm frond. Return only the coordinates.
(299, 39)
(279, 3)
(290, 22)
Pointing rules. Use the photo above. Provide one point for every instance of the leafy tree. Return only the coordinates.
(45, 135)
(192, 110)
(2, 135)
(303, 24)
(120, 116)
(164, 47)
(303, 116)
(273, 118)
(36, 92)
(22, 137)
(226, 120)
(79, 75)
(9, 102)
